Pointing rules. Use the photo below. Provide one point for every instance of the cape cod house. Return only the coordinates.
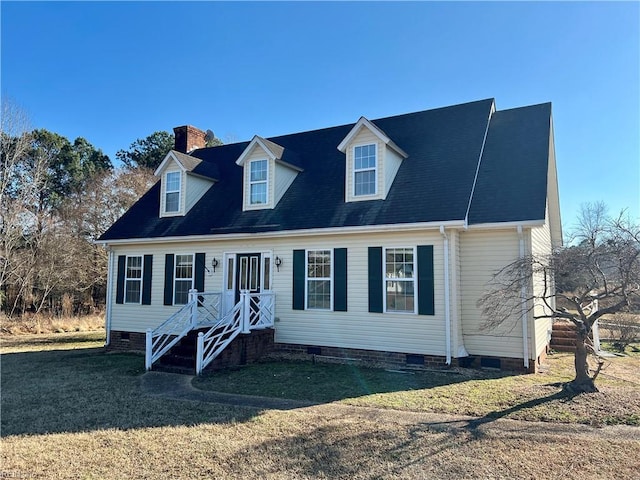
(372, 240)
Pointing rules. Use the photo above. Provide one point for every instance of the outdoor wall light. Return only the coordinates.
(214, 264)
(278, 263)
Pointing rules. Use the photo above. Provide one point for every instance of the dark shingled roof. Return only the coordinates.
(512, 180)
(433, 184)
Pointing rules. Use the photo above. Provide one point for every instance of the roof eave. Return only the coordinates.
(455, 224)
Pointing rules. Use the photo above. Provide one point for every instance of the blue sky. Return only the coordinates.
(116, 71)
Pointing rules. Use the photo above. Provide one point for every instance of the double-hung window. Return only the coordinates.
(319, 279)
(364, 170)
(258, 178)
(183, 279)
(133, 280)
(172, 192)
(400, 280)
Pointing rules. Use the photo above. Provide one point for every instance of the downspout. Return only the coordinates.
(523, 306)
(447, 308)
(107, 316)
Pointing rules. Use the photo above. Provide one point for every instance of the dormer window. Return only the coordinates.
(184, 180)
(172, 192)
(365, 171)
(372, 161)
(258, 179)
(268, 171)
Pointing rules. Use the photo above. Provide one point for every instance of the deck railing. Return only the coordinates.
(202, 310)
(252, 312)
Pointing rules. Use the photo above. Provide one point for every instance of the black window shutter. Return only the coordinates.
(340, 279)
(298, 279)
(426, 282)
(122, 265)
(168, 278)
(375, 279)
(198, 281)
(146, 279)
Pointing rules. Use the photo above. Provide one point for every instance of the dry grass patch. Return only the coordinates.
(43, 324)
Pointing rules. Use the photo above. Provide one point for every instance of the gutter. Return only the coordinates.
(523, 306)
(107, 316)
(447, 308)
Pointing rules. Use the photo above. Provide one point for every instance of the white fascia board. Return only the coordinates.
(288, 165)
(400, 227)
(397, 149)
(256, 140)
(170, 156)
(364, 123)
(203, 177)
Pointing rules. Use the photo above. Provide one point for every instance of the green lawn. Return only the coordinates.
(71, 411)
(536, 397)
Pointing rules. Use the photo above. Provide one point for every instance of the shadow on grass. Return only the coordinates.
(84, 389)
(324, 382)
(562, 395)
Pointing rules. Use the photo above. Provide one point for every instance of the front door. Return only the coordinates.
(247, 273)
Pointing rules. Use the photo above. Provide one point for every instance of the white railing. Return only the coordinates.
(202, 309)
(262, 311)
(218, 337)
(254, 311)
(209, 308)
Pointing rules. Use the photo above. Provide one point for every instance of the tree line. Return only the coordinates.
(56, 198)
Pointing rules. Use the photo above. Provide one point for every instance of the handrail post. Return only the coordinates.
(148, 349)
(199, 353)
(273, 310)
(246, 311)
(193, 300)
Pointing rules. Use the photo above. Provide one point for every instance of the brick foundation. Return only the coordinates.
(244, 349)
(127, 341)
(250, 348)
(403, 360)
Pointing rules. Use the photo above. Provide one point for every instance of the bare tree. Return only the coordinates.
(597, 275)
(15, 142)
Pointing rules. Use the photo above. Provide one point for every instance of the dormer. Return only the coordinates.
(268, 171)
(372, 161)
(184, 180)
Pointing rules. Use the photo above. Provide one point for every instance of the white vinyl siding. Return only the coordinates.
(392, 163)
(356, 328)
(195, 188)
(284, 177)
(482, 253)
(541, 246)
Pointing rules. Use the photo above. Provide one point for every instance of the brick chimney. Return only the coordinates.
(188, 138)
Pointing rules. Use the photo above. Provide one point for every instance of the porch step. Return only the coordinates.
(563, 337)
(182, 356)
